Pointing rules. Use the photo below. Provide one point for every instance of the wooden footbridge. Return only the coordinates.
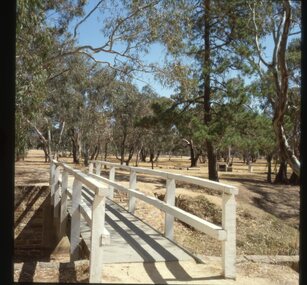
(85, 210)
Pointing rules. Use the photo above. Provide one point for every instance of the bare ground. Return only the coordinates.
(267, 214)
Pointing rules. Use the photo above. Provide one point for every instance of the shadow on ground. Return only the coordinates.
(282, 201)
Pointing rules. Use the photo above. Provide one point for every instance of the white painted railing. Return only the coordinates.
(225, 233)
(95, 216)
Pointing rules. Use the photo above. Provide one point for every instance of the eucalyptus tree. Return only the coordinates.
(265, 90)
(158, 127)
(30, 75)
(278, 21)
(198, 36)
(127, 106)
(36, 42)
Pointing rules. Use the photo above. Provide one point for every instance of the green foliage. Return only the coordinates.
(99, 105)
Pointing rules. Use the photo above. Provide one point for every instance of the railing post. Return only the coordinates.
(229, 245)
(52, 172)
(99, 237)
(63, 209)
(132, 185)
(91, 167)
(75, 220)
(98, 168)
(170, 200)
(111, 178)
(56, 194)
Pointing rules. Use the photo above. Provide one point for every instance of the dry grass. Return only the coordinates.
(267, 214)
(258, 233)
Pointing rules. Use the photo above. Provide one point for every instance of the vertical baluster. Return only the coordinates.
(132, 185)
(75, 220)
(91, 167)
(99, 237)
(63, 211)
(52, 172)
(56, 194)
(170, 200)
(98, 168)
(112, 178)
(229, 245)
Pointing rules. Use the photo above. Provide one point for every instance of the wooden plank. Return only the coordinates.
(132, 240)
(63, 209)
(86, 212)
(170, 200)
(98, 234)
(132, 185)
(196, 222)
(52, 185)
(229, 245)
(107, 181)
(112, 178)
(179, 177)
(75, 220)
(97, 187)
(205, 183)
(56, 194)
(98, 168)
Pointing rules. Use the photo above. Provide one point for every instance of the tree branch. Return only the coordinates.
(86, 17)
(256, 37)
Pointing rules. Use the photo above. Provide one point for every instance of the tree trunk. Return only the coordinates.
(122, 149)
(269, 175)
(157, 156)
(106, 151)
(192, 154)
(143, 155)
(284, 147)
(57, 149)
(281, 177)
(151, 156)
(95, 153)
(213, 174)
(130, 155)
(228, 155)
(45, 152)
(49, 144)
(294, 179)
(280, 74)
(96, 156)
(86, 155)
(137, 158)
(76, 146)
(212, 162)
(194, 157)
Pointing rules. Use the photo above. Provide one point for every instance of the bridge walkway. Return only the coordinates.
(131, 239)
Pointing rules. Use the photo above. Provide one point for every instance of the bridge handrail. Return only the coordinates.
(226, 233)
(91, 183)
(95, 217)
(190, 219)
(213, 185)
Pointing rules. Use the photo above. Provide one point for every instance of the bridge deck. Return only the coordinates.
(132, 240)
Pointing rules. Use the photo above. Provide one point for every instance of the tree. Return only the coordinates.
(280, 22)
(36, 41)
(199, 37)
